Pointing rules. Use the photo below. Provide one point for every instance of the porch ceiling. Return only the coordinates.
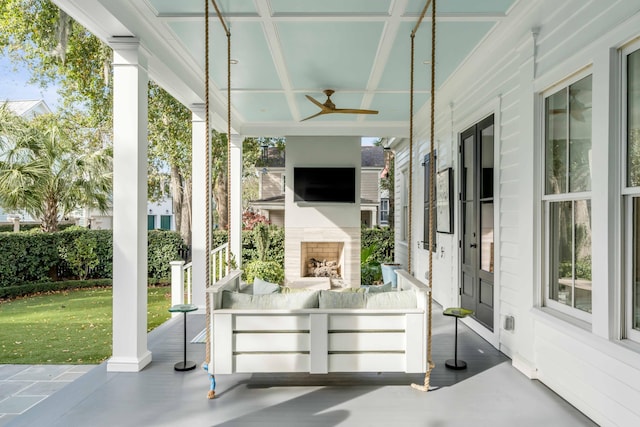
(287, 49)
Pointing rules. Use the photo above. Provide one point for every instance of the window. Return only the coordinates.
(384, 211)
(427, 185)
(151, 222)
(165, 222)
(567, 198)
(631, 188)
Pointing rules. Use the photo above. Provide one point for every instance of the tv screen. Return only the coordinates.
(324, 185)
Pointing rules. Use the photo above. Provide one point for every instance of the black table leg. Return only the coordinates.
(185, 365)
(455, 363)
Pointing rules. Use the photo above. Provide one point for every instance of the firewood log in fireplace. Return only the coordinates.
(323, 268)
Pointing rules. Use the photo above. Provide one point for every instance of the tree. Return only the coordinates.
(59, 51)
(47, 170)
(170, 155)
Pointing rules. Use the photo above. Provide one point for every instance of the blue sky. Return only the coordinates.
(14, 85)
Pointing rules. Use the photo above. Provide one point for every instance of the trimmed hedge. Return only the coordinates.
(8, 292)
(35, 257)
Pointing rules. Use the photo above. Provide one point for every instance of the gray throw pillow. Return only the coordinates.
(262, 287)
(381, 288)
(331, 299)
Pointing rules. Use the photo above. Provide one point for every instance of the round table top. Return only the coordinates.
(457, 312)
(183, 308)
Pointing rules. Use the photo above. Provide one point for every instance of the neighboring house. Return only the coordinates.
(374, 203)
(28, 108)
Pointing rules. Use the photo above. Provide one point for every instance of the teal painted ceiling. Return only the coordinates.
(285, 49)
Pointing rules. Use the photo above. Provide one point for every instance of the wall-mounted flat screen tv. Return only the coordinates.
(337, 185)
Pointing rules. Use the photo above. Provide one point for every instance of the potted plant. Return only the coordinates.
(389, 273)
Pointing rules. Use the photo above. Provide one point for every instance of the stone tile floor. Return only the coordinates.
(23, 386)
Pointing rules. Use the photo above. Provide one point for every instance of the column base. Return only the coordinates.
(128, 364)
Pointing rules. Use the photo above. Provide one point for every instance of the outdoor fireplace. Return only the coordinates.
(321, 259)
(329, 232)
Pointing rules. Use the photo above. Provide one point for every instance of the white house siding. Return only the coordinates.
(370, 188)
(271, 184)
(544, 43)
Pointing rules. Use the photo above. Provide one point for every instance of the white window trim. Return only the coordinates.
(404, 218)
(546, 200)
(628, 194)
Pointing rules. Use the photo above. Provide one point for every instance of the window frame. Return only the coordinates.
(628, 195)
(567, 196)
(426, 164)
(404, 212)
(384, 210)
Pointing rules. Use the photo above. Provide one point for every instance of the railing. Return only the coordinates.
(182, 274)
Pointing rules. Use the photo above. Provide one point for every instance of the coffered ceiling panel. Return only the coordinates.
(285, 49)
(337, 55)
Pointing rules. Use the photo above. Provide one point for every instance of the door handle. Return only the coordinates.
(473, 245)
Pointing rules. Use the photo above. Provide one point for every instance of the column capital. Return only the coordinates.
(237, 139)
(128, 51)
(198, 112)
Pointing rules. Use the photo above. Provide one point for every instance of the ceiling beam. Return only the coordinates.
(442, 17)
(275, 47)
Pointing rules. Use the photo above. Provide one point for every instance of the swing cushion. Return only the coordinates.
(400, 299)
(296, 300)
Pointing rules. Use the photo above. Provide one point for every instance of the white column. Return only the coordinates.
(199, 200)
(130, 353)
(235, 208)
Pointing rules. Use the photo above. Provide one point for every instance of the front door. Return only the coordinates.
(476, 213)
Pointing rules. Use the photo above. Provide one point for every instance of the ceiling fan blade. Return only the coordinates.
(354, 111)
(316, 115)
(319, 104)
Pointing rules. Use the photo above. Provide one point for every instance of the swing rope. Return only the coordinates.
(427, 377)
(207, 181)
(211, 393)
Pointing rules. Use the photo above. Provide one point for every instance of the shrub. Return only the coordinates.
(271, 271)
(370, 271)
(382, 239)
(103, 250)
(81, 255)
(164, 247)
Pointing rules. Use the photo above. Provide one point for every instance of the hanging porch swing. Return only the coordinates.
(317, 322)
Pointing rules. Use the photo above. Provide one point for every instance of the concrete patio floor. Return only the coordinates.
(489, 393)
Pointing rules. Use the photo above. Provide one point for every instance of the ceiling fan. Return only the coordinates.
(329, 107)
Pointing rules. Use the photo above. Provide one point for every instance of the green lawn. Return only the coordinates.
(69, 327)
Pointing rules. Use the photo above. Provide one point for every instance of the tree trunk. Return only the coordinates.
(220, 194)
(50, 217)
(185, 223)
(177, 196)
